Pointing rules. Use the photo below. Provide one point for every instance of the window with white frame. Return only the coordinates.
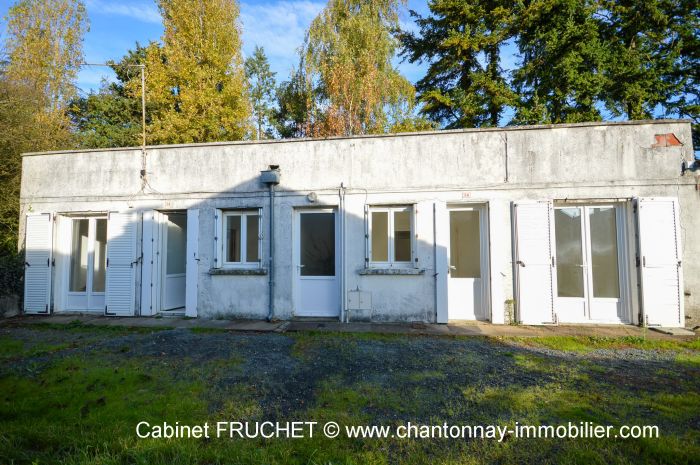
(241, 238)
(391, 236)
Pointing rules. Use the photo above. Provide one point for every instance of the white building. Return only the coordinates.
(580, 223)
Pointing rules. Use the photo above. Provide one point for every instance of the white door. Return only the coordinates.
(174, 262)
(589, 253)
(37, 263)
(534, 262)
(467, 283)
(87, 264)
(661, 267)
(317, 281)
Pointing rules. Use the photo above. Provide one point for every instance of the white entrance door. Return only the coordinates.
(467, 284)
(174, 246)
(87, 264)
(589, 244)
(317, 282)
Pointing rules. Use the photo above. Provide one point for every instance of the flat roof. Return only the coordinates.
(371, 136)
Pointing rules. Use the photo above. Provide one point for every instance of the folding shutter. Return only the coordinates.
(367, 239)
(192, 267)
(148, 265)
(37, 263)
(122, 260)
(441, 224)
(218, 239)
(536, 279)
(661, 271)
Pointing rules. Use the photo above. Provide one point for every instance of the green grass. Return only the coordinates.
(585, 344)
(83, 409)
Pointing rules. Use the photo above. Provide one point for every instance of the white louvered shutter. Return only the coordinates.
(122, 260)
(536, 277)
(37, 263)
(192, 265)
(661, 270)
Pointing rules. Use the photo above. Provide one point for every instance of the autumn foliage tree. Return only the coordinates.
(196, 81)
(42, 54)
(347, 61)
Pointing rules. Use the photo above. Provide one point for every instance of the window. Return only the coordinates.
(241, 238)
(391, 236)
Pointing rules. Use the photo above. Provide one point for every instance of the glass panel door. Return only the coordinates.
(79, 256)
(317, 247)
(604, 266)
(587, 262)
(569, 242)
(465, 244)
(317, 284)
(87, 265)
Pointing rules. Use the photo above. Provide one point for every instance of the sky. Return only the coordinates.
(276, 25)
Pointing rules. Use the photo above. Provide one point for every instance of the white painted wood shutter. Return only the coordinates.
(218, 239)
(122, 260)
(441, 224)
(37, 263)
(192, 265)
(661, 270)
(535, 272)
(148, 264)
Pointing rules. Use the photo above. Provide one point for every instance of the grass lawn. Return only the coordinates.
(75, 394)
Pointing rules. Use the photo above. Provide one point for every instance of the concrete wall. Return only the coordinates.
(496, 167)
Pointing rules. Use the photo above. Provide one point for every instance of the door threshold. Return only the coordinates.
(172, 313)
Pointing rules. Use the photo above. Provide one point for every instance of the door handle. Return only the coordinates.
(521, 263)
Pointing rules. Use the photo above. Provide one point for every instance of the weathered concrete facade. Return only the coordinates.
(492, 169)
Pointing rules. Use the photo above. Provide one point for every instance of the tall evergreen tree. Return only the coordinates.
(196, 81)
(563, 56)
(461, 41)
(347, 54)
(644, 49)
(111, 117)
(261, 82)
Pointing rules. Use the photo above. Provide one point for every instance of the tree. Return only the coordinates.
(261, 83)
(461, 41)
(111, 117)
(44, 48)
(347, 58)
(294, 98)
(561, 74)
(644, 49)
(44, 51)
(196, 81)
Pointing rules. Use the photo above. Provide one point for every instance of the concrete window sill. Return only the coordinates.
(391, 271)
(238, 271)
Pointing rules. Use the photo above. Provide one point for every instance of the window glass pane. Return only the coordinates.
(380, 236)
(567, 229)
(233, 238)
(317, 244)
(252, 242)
(606, 281)
(79, 256)
(177, 243)
(100, 260)
(402, 236)
(465, 244)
